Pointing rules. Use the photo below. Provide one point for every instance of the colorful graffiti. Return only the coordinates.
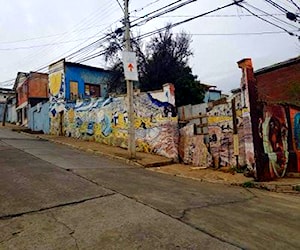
(274, 133)
(192, 149)
(56, 97)
(297, 130)
(106, 121)
(220, 130)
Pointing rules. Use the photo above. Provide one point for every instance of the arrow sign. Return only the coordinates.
(130, 66)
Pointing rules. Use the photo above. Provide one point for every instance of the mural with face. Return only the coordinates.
(274, 134)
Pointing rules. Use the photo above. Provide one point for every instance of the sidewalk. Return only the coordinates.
(164, 165)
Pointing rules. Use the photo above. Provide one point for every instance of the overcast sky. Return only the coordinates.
(35, 33)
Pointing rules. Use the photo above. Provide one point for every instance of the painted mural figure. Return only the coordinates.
(274, 131)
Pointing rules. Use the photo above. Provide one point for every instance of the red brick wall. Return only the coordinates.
(38, 86)
(280, 85)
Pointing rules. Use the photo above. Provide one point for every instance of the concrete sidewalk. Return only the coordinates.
(167, 166)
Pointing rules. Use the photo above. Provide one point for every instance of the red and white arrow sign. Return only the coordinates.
(130, 66)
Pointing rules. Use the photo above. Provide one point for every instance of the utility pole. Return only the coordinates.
(129, 85)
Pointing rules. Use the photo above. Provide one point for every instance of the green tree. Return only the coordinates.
(165, 61)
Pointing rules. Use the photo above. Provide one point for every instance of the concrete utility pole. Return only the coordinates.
(129, 85)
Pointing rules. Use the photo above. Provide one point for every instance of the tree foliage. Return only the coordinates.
(165, 60)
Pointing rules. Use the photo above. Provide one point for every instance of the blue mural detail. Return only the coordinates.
(297, 130)
(106, 126)
(90, 129)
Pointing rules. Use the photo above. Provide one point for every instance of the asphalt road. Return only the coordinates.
(55, 197)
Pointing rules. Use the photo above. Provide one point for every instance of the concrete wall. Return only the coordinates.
(106, 121)
(221, 134)
(38, 119)
(192, 149)
(208, 135)
(11, 112)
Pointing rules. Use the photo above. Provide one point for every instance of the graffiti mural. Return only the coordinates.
(106, 121)
(192, 149)
(56, 96)
(295, 124)
(220, 130)
(297, 130)
(274, 133)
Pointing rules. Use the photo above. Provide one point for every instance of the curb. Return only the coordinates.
(272, 187)
(88, 150)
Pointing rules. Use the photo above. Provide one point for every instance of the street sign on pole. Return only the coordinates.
(130, 66)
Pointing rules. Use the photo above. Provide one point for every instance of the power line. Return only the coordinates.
(120, 5)
(295, 4)
(171, 9)
(290, 33)
(147, 5)
(277, 6)
(239, 34)
(53, 35)
(91, 19)
(275, 18)
(45, 45)
(208, 16)
(145, 35)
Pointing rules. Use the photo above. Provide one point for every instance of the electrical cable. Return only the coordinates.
(290, 33)
(276, 18)
(120, 5)
(293, 2)
(161, 13)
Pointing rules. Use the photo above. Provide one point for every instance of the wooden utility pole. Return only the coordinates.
(129, 85)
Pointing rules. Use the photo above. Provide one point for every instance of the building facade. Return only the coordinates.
(69, 83)
(31, 89)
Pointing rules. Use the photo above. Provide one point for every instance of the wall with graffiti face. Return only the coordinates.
(274, 133)
(106, 121)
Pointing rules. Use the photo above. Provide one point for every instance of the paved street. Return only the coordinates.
(56, 197)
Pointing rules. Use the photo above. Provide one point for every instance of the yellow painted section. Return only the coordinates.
(217, 119)
(55, 83)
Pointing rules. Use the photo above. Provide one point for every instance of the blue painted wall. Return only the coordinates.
(82, 75)
(12, 116)
(38, 118)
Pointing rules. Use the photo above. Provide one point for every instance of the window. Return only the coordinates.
(92, 90)
(73, 90)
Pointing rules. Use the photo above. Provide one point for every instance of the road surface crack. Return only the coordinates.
(185, 211)
(10, 216)
(71, 231)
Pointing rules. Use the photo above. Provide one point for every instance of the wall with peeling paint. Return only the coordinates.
(192, 149)
(208, 137)
(220, 130)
